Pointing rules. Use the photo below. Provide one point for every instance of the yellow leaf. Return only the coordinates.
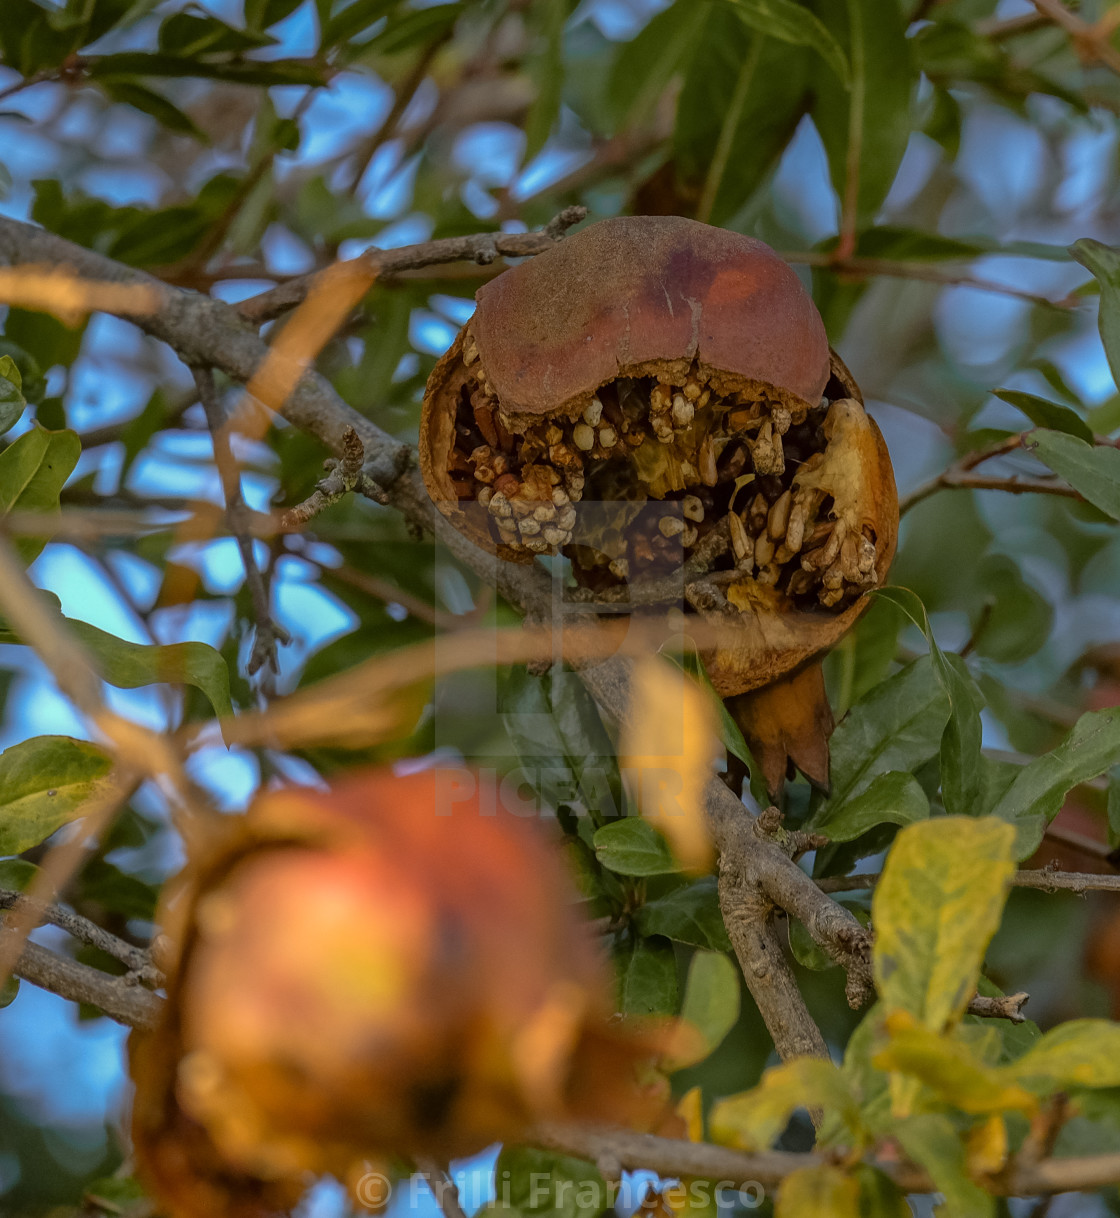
(935, 910)
(691, 1111)
(948, 1067)
(1081, 1053)
(755, 1119)
(669, 741)
(818, 1192)
(986, 1148)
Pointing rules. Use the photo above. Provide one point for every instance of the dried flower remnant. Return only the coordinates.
(372, 971)
(652, 390)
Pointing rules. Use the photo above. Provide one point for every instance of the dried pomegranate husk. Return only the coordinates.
(365, 972)
(621, 396)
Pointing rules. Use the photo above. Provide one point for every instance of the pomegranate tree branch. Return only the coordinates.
(269, 634)
(757, 873)
(480, 248)
(961, 475)
(858, 267)
(677, 1159)
(119, 997)
(135, 959)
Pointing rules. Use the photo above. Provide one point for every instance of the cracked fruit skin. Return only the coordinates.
(653, 392)
(370, 971)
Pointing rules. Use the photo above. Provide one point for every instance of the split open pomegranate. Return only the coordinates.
(652, 395)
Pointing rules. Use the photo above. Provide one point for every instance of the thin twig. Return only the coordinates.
(892, 268)
(36, 78)
(676, 1159)
(1045, 879)
(1088, 44)
(135, 959)
(481, 248)
(268, 633)
(1006, 1006)
(345, 476)
(443, 1187)
(401, 100)
(961, 475)
(999, 28)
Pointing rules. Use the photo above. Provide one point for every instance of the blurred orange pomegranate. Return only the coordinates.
(369, 971)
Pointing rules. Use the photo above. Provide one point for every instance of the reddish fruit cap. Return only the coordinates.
(636, 289)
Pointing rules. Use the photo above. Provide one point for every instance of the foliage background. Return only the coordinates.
(985, 147)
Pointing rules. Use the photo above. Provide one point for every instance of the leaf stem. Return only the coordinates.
(731, 121)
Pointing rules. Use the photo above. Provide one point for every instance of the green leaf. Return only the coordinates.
(962, 771)
(45, 783)
(1113, 809)
(12, 401)
(894, 798)
(33, 471)
(797, 25)
(1043, 413)
(148, 101)
(689, 914)
(1104, 262)
(546, 70)
(898, 725)
(16, 874)
(742, 99)
(8, 992)
(1036, 795)
(260, 14)
(711, 1003)
(932, 1142)
(1014, 619)
(355, 19)
(647, 980)
(542, 1183)
(645, 65)
(121, 1192)
(553, 719)
(412, 29)
(195, 35)
(865, 129)
(238, 71)
(915, 245)
(823, 1191)
(1080, 1053)
(934, 910)
(755, 1119)
(879, 1196)
(131, 665)
(951, 1069)
(632, 846)
(1094, 471)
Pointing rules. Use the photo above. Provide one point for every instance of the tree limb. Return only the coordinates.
(678, 1159)
(135, 959)
(119, 997)
(754, 870)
